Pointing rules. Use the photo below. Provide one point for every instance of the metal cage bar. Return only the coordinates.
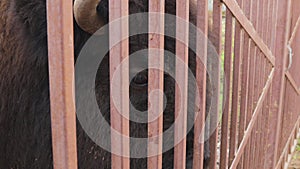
(61, 79)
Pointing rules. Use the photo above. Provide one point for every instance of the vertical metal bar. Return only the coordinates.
(181, 93)
(202, 24)
(246, 105)
(256, 84)
(227, 90)
(261, 15)
(216, 40)
(156, 82)
(119, 52)
(278, 85)
(262, 80)
(244, 89)
(254, 13)
(265, 21)
(241, 115)
(264, 124)
(270, 23)
(61, 78)
(274, 29)
(238, 43)
(251, 94)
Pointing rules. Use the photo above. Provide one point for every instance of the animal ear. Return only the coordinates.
(86, 15)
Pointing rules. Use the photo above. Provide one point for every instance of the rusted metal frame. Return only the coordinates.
(258, 18)
(286, 147)
(282, 33)
(61, 80)
(256, 156)
(244, 90)
(273, 49)
(254, 13)
(266, 121)
(156, 82)
(119, 52)
(266, 129)
(295, 30)
(255, 86)
(251, 98)
(216, 41)
(248, 26)
(265, 21)
(253, 120)
(259, 135)
(261, 9)
(181, 94)
(252, 90)
(242, 56)
(226, 90)
(236, 86)
(292, 81)
(201, 65)
(274, 29)
(270, 23)
(288, 119)
(249, 147)
(263, 30)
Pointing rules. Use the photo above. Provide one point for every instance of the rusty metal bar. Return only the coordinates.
(257, 86)
(282, 27)
(61, 78)
(244, 91)
(270, 23)
(226, 90)
(248, 114)
(248, 26)
(295, 30)
(253, 120)
(263, 78)
(119, 52)
(251, 89)
(254, 13)
(236, 86)
(292, 81)
(216, 40)
(181, 93)
(287, 145)
(274, 26)
(266, 129)
(261, 16)
(156, 82)
(265, 21)
(267, 123)
(201, 62)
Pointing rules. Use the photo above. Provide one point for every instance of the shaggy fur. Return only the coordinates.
(25, 127)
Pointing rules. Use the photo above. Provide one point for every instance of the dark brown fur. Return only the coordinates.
(25, 128)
